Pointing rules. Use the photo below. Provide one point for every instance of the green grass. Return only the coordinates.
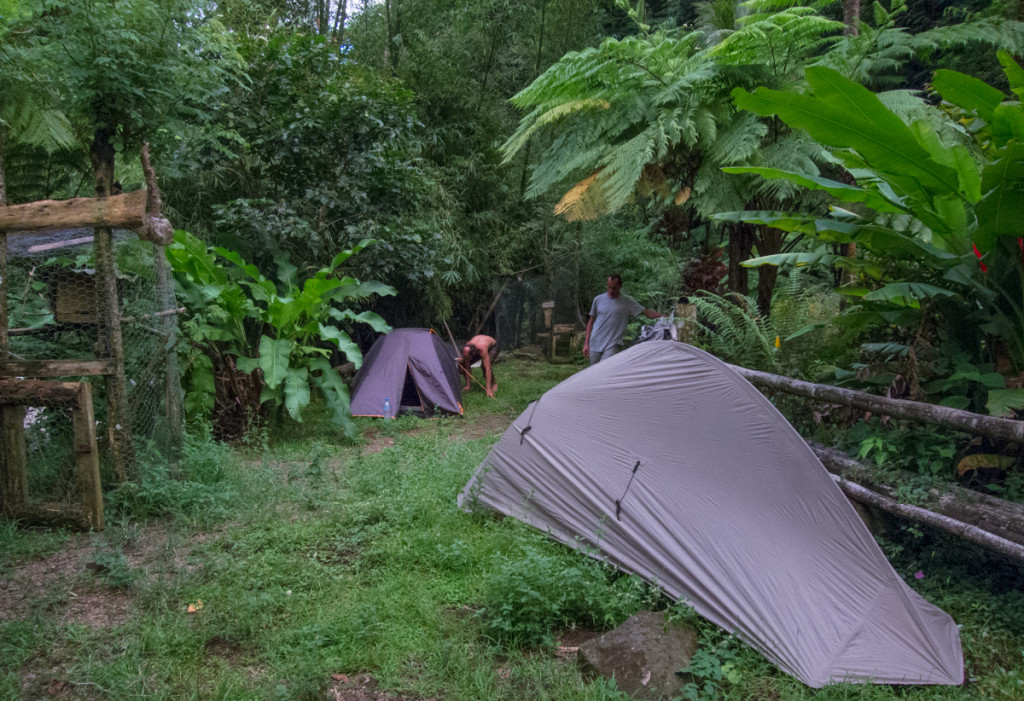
(314, 557)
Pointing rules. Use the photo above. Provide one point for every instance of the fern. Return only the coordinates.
(734, 331)
(611, 112)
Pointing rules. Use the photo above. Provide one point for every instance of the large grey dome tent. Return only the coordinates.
(675, 468)
(413, 370)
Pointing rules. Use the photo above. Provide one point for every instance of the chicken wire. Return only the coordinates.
(53, 313)
(519, 310)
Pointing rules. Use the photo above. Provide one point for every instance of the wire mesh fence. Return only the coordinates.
(56, 312)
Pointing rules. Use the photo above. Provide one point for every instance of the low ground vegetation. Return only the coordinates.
(294, 567)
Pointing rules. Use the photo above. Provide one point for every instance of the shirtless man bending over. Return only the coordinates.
(484, 349)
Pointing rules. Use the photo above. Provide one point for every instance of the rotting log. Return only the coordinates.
(127, 211)
(956, 419)
(1000, 518)
(967, 531)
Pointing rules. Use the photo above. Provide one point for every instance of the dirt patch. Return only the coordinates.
(478, 427)
(363, 687)
(569, 641)
(484, 426)
(66, 579)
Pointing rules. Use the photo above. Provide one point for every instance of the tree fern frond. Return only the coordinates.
(995, 32)
(583, 202)
(734, 331)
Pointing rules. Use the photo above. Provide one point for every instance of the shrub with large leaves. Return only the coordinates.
(287, 329)
(935, 205)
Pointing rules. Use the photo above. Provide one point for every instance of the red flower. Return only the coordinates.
(984, 268)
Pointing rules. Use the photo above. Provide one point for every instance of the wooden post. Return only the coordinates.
(13, 486)
(122, 447)
(13, 467)
(87, 460)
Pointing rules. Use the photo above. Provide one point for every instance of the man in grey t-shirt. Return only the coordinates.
(609, 315)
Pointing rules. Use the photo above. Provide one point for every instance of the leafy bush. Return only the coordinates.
(198, 486)
(287, 330)
(925, 450)
(527, 597)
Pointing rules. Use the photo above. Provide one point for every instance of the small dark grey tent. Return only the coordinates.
(413, 370)
(674, 467)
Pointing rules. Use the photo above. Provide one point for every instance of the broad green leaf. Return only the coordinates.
(200, 398)
(345, 255)
(274, 360)
(1004, 402)
(967, 92)
(296, 392)
(287, 274)
(957, 401)
(804, 330)
(955, 156)
(361, 290)
(1014, 73)
(828, 230)
(999, 211)
(249, 269)
(798, 260)
(846, 193)
(334, 391)
(844, 114)
(374, 320)
(246, 365)
(907, 294)
(1008, 123)
(345, 343)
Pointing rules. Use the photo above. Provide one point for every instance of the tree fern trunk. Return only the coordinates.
(851, 17)
(769, 242)
(741, 243)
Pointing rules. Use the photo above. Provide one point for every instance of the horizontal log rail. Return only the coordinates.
(55, 368)
(956, 419)
(127, 211)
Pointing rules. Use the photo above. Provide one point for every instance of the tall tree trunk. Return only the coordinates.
(741, 243)
(122, 448)
(524, 176)
(3, 177)
(851, 17)
(339, 21)
(769, 242)
(388, 33)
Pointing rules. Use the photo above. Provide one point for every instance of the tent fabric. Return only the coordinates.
(675, 468)
(412, 369)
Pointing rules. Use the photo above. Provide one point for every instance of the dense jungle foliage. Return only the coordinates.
(833, 189)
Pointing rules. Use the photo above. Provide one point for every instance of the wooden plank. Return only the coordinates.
(39, 393)
(59, 244)
(55, 368)
(13, 462)
(87, 461)
(127, 211)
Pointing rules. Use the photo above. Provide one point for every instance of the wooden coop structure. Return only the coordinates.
(558, 340)
(83, 298)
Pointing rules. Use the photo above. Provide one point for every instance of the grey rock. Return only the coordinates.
(643, 655)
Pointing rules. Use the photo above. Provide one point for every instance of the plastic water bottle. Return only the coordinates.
(387, 406)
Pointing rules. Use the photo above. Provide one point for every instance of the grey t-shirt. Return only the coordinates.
(610, 319)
